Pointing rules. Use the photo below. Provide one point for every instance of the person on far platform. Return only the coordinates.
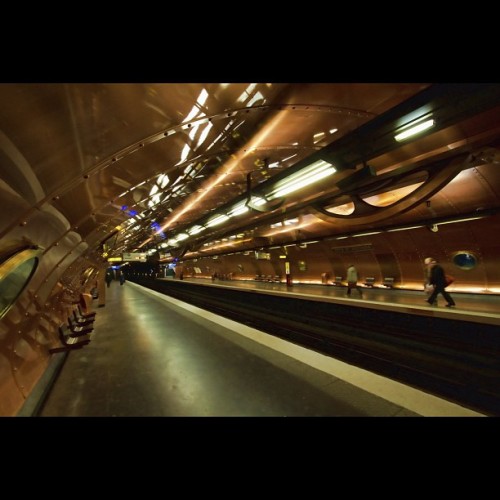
(352, 280)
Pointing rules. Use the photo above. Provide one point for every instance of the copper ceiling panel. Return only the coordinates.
(79, 161)
(374, 98)
(300, 126)
(81, 128)
(476, 131)
(472, 189)
(74, 127)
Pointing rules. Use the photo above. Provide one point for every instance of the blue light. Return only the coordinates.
(132, 213)
(124, 207)
(157, 228)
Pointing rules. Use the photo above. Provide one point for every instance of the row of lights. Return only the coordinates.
(304, 244)
(304, 177)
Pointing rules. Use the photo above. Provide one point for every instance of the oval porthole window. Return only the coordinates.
(465, 260)
(384, 197)
(15, 274)
(344, 209)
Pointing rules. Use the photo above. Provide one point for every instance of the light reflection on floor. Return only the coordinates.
(478, 303)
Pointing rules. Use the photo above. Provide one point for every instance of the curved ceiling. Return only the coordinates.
(150, 167)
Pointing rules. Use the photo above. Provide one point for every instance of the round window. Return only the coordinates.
(15, 274)
(465, 260)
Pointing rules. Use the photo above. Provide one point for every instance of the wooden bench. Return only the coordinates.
(78, 329)
(69, 340)
(388, 282)
(84, 314)
(369, 282)
(82, 321)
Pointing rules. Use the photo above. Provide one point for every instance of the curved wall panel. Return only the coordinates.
(82, 172)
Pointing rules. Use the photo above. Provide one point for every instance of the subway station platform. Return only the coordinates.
(152, 355)
(478, 308)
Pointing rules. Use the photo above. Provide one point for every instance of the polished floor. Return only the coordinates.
(152, 355)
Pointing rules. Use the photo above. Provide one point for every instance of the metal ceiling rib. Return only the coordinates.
(440, 101)
(92, 149)
(276, 148)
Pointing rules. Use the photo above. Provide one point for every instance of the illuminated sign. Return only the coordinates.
(262, 256)
(115, 259)
(134, 257)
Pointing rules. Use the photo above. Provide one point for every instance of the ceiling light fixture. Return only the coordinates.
(195, 230)
(460, 220)
(365, 234)
(402, 229)
(308, 175)
(414, 128)
(238, 209)
(218, 219)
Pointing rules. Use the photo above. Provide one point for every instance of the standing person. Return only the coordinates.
(429, 261)
(437, 278)
(109, 279)
(122, 278)
(352, 280)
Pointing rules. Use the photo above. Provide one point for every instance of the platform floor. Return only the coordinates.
(466, 303)
(152, 355)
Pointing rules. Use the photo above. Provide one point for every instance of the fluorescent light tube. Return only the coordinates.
(258, 201)
(416, 129)
(308, 175)
(365, 234)
(238, 209)
(460, 220)
(218, 219)
(402, 229)
(195, 230)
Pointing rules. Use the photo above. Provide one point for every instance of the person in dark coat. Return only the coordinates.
(427, 285)
(109, 279)
(438, 280)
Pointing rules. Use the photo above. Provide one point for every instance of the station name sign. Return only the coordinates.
(262, 255)
(353, 248)
(134, 257)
